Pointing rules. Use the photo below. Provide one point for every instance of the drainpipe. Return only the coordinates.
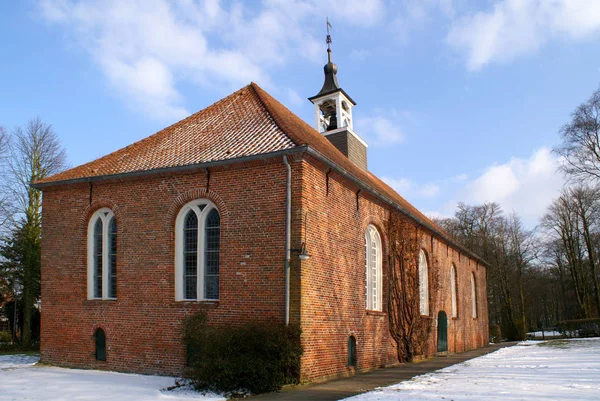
(288, 224)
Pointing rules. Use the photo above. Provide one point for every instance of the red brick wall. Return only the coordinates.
(143, 326)
(333, 301)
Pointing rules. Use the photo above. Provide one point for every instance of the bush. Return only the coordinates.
(495, 334)
(258, 356)
(5, 337)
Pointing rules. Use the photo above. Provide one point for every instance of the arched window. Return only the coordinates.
(102, 255)
(474, 295)
(197, 251)
(373, 268)
(100, 339)
(453, 290)
(423, 284)
(352, 351)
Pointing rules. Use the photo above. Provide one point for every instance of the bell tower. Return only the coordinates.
(333, 114)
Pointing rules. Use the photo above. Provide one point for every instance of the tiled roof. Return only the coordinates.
(245, 123)
(236, 126)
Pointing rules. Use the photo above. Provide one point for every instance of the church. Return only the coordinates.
(244, 210)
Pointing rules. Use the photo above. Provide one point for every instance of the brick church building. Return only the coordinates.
(249, 212)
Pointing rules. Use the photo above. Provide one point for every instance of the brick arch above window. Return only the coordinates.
(379, 224)
(100, 326)
(185, 197)
(93, 207)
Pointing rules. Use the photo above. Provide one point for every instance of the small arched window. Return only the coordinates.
(352, 351)
(102, 255)
(100, 340)
(423, 284)
(373, 268)
(453, 290)
(474, 295)
(197, 251)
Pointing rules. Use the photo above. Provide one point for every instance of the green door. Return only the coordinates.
(442, 332)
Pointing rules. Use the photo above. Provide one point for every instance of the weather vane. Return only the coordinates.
(328, 40)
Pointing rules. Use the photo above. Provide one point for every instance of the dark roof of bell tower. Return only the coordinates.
(331, 84)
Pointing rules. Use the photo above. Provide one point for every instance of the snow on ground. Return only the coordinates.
(552, 333)
(532, 370)
(20, 380)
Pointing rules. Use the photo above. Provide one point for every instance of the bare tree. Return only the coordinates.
(3, 142)
(580, 145)
(522, 252)
(35, 153)
(586, 201)
(4, 198)
(562, 223)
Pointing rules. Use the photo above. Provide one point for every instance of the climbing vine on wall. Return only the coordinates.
(409, 329)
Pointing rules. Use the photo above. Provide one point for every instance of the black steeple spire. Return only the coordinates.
(330, 69)
(331, 83)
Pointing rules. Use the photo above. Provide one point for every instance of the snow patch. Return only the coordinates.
(531, 370)
(20, 380)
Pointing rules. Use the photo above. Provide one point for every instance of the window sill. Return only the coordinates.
(376, 313)
(100, 301)
(455, 318)
(207, 302)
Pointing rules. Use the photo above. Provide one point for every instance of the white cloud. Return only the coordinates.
(414, 15)
(359, 12)
(409, 189)
(526, 186)
(359, 54)
(147, 48)
(516, 27)
(294, 98)
(383, 128)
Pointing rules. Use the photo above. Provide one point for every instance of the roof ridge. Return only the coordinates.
(278, 121)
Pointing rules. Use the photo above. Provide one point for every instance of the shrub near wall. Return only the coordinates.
(258, 357)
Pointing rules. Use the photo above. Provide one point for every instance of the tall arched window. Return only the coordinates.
(197, 251)
(453, 290)
(423, 284)
(102, 255)
(474, 295)
(373, 268)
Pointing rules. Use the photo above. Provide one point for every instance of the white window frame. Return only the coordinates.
(373, 269)
(105, 215)
(474, 295)
(179, 238)
(423, 284)
(454, 301)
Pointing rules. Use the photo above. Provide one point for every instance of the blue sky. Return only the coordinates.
(459, 100)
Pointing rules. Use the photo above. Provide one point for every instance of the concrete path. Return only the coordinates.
(347, 387)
